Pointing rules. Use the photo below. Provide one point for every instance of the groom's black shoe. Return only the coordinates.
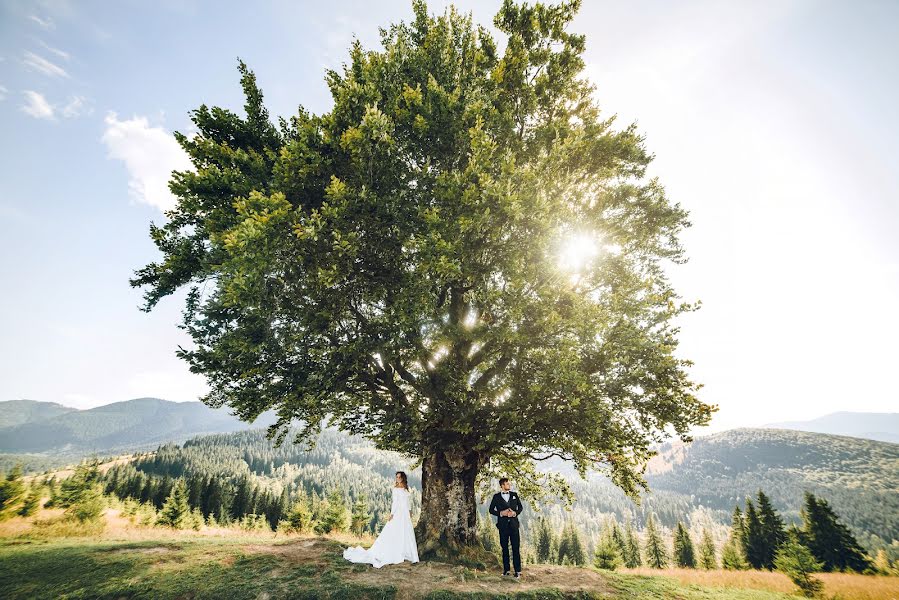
(506, 574)
(517, 575)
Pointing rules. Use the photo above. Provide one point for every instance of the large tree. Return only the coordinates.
(463, 260)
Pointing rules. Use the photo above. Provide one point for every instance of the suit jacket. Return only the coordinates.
(497, 505)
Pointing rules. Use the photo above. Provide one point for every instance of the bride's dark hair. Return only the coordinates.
(402, 475)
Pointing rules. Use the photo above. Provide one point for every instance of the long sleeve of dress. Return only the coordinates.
(394, 507)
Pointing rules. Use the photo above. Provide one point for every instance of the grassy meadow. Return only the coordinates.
(45, 556)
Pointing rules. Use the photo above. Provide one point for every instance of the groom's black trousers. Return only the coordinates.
(506, 535)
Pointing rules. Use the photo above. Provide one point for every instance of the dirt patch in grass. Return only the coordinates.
(305, 551)
(419, 579)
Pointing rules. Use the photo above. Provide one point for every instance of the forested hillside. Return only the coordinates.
(17, 412)
(860, 477)
(230, 475)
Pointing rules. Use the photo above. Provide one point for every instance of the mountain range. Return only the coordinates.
(872, 426)
(858, 476)
(29, 426)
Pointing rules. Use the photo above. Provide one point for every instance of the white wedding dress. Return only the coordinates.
(395, 543)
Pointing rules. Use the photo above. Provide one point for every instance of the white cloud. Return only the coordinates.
(37, 106)
(42, 65)
(43, 23)
(3, 92)
(76, 107)
(150, 155)
(60, 53)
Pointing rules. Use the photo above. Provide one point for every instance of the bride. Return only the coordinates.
(396, 542)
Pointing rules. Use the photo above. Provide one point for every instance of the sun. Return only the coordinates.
(577, 251)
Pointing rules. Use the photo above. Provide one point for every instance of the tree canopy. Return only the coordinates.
(463, 259)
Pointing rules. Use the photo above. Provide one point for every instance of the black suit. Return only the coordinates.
(508, 528)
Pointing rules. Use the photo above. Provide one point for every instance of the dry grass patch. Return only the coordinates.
(844, 586)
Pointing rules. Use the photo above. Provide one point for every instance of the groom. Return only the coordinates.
(506, 507)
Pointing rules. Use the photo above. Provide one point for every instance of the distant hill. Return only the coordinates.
(872, 426)
(859, 477)
(142, 423)
(17, 412)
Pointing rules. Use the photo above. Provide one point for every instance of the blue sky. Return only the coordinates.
(773, 123)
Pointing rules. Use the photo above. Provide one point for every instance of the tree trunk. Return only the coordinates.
(447, 528)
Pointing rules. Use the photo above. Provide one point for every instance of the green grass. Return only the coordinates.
(199, 568)
(195, 569)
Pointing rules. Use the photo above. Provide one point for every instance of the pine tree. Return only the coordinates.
(176, 511)
(733, 553)
(299, 516)
(488, 534)
(732, 556)
(360, 518)
(753, 541)
(544, 544)
(607, 554)
(682, 547)
(707, 558)
(571, 549)
(86, 475)
(29, 503)
(11, 491)
(771, 529)
(829, 540)
(216, 505)
(797, 562)
(335, 516)
(656, 556)
(632, 558)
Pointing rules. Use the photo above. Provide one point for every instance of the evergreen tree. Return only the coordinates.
(707, 559)
(361, 517)
(544, 543)
(632, 558)
(733, 553)
(829, 540)
(215, 501)
(571, 549)
(335, 516)
(738, 527)
(175, 510)
(614, 533)
(299, 516)
(607, 554)
(797, 562)
(11, 491)
(682, 546)
(771, 529)
(242, 502)
(733, 558)
(85, 477)
(753, 540)
(29, 503)
(656, 556)
(489, 535)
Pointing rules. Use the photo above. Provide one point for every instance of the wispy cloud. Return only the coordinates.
(43, 23)
(60, 53)
(42, 65)
(37, 106)
(76, 107)
(3, 92)
(150, 155)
